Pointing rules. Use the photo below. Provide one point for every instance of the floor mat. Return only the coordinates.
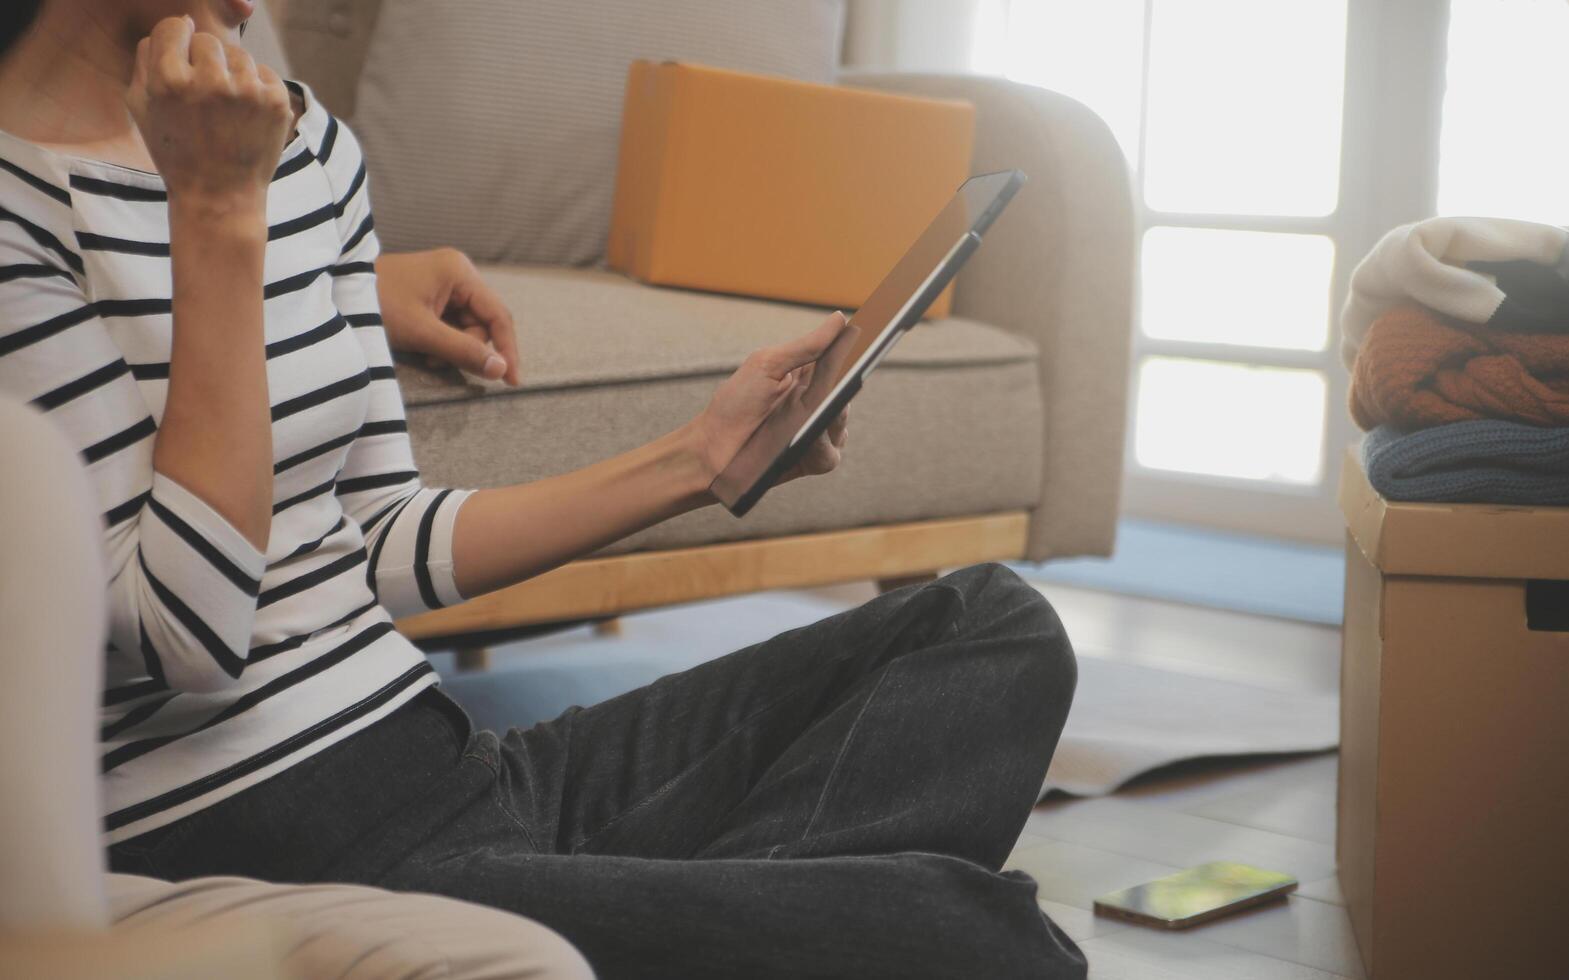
(1130, 718)
(1225, 570)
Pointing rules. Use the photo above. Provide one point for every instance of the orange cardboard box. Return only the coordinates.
(1454, 731)
(787, 190)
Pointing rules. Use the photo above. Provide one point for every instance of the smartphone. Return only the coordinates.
(1196, 895)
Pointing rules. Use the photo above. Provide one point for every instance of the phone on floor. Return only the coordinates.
(1196, 895)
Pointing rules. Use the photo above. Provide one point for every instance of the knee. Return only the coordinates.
(994, 586)
(1002, 605)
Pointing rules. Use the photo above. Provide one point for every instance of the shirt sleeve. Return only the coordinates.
(182, 580)
(407, 526)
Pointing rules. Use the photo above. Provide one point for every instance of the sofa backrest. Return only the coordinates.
(326, 41)
(493, 125)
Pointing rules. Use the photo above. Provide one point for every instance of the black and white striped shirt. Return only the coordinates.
(226, 665)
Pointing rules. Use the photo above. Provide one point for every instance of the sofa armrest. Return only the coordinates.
(233, 948)
(1058, 268)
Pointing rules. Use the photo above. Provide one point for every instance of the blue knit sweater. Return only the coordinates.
(1470, 462)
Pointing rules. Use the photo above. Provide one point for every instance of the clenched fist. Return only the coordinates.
(214, 121)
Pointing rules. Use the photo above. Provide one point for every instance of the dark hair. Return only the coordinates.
(15, 17)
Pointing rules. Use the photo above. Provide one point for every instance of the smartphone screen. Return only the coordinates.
(1196, 895)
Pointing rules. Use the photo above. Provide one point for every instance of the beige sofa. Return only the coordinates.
(995, 434)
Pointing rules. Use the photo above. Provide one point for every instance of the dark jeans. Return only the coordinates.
(834, 802)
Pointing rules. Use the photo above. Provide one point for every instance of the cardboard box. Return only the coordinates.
(1453, 838)
(787, 190)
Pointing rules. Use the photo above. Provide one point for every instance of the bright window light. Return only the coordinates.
(1089, 50)
(1244, 106)
(1234, 420)
(1251, 288)
(1504, 152)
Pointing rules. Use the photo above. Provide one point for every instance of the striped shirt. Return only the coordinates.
(227, 665)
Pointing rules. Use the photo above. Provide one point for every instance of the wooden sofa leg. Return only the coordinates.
(889, 584)
(608, 627)
(473, 658)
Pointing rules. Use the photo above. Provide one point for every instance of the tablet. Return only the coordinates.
(896, 305)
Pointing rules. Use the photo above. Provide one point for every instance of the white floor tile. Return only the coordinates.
(1148, 954)
(1302, 811)
(1311, 933)
(1073, 875)
(1263, 651)
(1179, 839)
(1323, 890)
(1078, 923)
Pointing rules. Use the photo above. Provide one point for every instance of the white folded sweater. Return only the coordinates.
(1424, 263)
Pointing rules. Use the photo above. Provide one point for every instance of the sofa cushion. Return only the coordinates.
(492, 125)
(950, 424)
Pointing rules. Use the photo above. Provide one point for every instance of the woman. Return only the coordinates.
(189, 288)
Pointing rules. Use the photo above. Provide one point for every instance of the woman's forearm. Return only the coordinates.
(509, 534)
(215, 439)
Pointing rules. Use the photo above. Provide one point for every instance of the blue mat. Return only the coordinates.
(1225, 570)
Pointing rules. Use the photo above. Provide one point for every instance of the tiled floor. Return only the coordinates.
(1276, 813)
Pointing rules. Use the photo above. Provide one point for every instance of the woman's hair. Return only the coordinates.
(15, 16)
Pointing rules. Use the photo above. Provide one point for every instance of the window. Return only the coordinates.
(1230, 114)
(1505, 144)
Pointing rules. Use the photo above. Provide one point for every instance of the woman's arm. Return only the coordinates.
(427, 547)
(513, 533)
(181, 535)
(215, 124)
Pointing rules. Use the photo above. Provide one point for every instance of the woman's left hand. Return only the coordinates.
(748, 396)
(435, 303)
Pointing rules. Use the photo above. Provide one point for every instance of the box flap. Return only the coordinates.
(1453, 540)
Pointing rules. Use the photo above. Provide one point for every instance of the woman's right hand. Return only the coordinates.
(214, 121)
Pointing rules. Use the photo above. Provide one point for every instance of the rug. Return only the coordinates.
(1128, 719)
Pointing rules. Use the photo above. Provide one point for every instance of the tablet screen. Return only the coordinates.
(895, 305)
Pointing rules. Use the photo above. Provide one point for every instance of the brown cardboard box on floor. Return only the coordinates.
(1453, 839)
(788, 190)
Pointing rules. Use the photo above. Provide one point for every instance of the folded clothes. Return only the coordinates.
(1416, 369)
(1467, 268)
(1536, 297)
(1471, 462)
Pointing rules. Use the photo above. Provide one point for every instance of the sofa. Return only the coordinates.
(993, 434)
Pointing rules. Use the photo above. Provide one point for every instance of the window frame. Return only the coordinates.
(1390, 123)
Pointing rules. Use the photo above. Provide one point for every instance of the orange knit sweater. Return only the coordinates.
(1417, 369)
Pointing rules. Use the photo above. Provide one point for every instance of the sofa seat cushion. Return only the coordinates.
(950, 424)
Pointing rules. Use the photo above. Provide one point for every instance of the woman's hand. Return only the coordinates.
(746, 398)
(214, 121)
(435, 303)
